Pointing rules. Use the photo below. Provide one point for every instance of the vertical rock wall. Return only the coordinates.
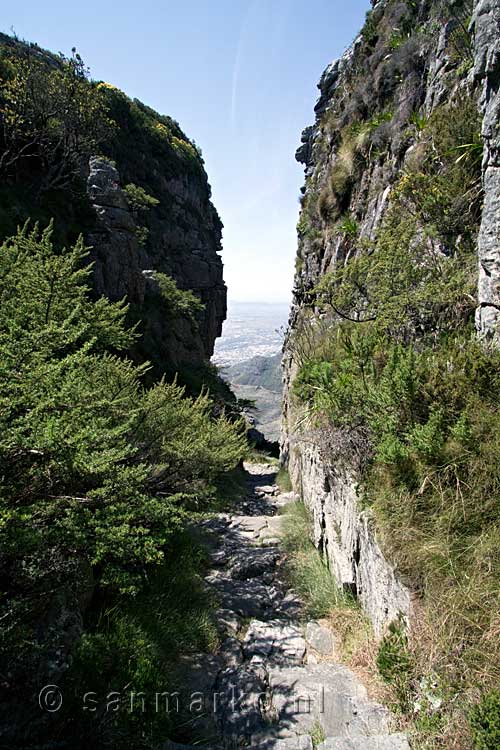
(124, 268)
(486, 23)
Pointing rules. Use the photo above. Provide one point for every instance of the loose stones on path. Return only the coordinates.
(267, 691)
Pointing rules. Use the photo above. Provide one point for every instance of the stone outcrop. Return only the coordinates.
(416, 76)
(185, 249)
(346, 536)
(486, 24)
(114, 246)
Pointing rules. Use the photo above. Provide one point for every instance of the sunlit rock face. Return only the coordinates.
(486, 22)
(382, 81)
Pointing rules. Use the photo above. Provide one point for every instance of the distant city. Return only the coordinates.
(251, 329)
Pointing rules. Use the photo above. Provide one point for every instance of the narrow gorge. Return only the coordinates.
(168, 581)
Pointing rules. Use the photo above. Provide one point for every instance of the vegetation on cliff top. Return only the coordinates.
(53, 117)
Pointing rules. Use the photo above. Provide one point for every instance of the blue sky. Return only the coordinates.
(240, 77)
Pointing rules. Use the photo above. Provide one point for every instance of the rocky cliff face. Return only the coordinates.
(487, 76)
(185, 249)
(144, 208)
(178, 235)
(410, 59)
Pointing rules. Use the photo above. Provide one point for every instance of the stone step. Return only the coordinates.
(319, 638)
(328, 694)
(276, 642)
(250, 598)
(377, 742)
(253, 562)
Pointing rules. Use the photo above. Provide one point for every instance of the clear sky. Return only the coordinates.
(240, 77)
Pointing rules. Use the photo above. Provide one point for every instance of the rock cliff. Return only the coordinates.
(375, 101)
(186, 250)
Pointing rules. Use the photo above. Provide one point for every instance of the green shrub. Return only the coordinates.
(349, 226)
(485, 722)
(177, 302)
(96, 468)
(138, 199)
(370, 29)
(136, 644)
(394, 661)
(51, 114)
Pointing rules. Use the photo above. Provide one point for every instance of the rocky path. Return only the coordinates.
(274, 684)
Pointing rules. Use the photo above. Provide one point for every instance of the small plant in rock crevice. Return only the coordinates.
(394, 661)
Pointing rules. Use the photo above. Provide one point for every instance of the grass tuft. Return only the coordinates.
(283, 480)
(308, 573)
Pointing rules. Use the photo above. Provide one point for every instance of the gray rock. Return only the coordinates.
(227, 621)
(275, 641)
(199, 673)
(320, 638)
(302, 742)
(115, 251)
(326, 693)
(380, 742)
(268, 489)
(485, 23)
(231, 652)
(247, 598)
(242, 701)
(249, 526)
(348, 536)
(291, 605)
(254, 563)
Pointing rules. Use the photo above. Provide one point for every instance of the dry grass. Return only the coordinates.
(357, 648)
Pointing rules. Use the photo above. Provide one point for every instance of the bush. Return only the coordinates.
(51, 114)
(138, 199)
(485, 722)
(394, 661)
(97, 469)
(177, 302)
(137, 643)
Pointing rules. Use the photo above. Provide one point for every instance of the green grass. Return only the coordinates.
(231, 489)
(317, 734)
(283, 480)
(307, 571)
(136, 644)
(254, 456)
